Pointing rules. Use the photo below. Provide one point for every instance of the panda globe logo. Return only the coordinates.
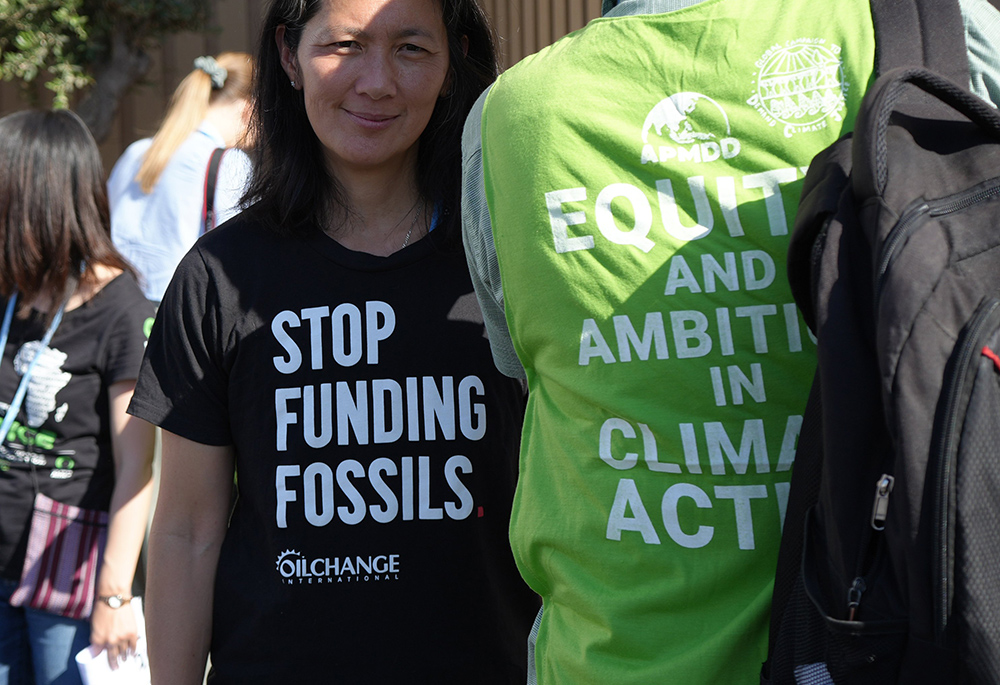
(675, 114)
(697, 125)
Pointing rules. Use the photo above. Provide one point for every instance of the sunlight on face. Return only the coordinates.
(371, 72)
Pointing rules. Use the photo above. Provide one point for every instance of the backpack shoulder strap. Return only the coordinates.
(927, 33)
(211, 175)
(908, 33)
(803, 493)
(871, 164)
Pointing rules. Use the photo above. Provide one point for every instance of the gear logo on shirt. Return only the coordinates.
(697, 126)
(287, 563)
(801, 85)
(47, 380)
(296, 569)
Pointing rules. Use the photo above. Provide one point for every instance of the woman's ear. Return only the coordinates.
(288, 62)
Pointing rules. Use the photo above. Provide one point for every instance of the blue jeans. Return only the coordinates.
(38, 647)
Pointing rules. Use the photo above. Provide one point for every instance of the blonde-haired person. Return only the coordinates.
(157, 187)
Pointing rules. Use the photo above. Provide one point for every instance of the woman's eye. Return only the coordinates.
(410, 47)
(345, 44)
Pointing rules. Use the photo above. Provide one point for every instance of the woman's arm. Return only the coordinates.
(192, 512)
(132, 447)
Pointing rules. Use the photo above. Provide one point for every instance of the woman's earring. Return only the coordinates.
(292, 82)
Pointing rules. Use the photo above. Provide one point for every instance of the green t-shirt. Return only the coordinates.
(641, 232)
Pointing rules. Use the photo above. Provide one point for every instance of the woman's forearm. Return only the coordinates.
(188, 529)
(179, 607)
(128, 516)
(132, 450)
(116, 629)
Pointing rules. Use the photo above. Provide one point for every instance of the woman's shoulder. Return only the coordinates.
(241, 244)
(243, 230)
(125, 168)
(135, 150)
(109, 304)
(111, 285)
(97, 278)
(132, 157)
(189, 162)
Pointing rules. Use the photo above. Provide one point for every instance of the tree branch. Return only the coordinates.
(112, 79)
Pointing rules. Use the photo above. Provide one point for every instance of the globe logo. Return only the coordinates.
(677, 115)
(801, 85)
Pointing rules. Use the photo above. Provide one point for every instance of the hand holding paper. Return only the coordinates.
(95, 669)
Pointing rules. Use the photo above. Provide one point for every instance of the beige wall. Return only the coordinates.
(524, 26)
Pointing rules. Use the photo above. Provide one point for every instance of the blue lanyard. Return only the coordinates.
(22, 388)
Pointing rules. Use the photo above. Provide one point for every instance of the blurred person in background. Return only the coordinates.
(629, 192)
(73, 334)
(157, 188)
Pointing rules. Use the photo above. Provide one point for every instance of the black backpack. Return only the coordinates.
(889, 568)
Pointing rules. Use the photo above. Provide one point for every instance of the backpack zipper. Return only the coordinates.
(854, 593)
(911, 217)
(880, 510)
(987, 315)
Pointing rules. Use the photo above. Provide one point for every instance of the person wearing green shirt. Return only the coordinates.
(628, 197)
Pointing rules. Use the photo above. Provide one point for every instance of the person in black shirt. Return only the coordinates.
(71, 439)
(325, 347)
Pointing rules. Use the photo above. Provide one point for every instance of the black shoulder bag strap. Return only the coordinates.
(211, 175)
(927, 33)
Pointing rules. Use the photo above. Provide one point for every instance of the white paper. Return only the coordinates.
(134, 670)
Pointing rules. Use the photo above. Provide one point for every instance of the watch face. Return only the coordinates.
(114, 602)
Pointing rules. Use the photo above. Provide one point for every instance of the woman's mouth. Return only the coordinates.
(371, 120)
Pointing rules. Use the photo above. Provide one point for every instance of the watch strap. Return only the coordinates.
(115, 601)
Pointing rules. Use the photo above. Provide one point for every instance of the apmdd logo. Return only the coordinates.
(695, 123)
(295, 569)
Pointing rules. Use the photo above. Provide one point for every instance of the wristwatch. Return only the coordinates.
(115, 601)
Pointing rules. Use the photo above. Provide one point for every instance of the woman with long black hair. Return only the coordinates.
(326, 347)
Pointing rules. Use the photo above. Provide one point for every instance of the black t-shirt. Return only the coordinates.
(376, 457)
(63, 427)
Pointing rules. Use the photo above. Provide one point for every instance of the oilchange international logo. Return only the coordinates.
(295, 568)
(800, 85)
